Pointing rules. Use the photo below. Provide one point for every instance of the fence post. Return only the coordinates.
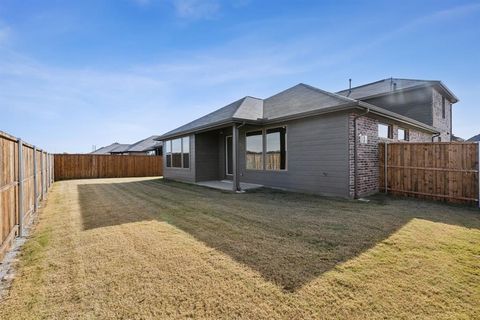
(20, 187)
(478, 173)
(386, 168)
(35, 191)
(53, 168)
(48, 172)
(41, 174)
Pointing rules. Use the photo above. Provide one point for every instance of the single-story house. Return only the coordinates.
(147, 146)
(110, 148)
(301, 139)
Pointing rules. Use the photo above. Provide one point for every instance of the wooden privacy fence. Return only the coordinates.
(447, 171)
(26, 174)
(88, 166)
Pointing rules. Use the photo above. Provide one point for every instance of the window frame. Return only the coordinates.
(168, 144)
(389, 130)
(264, 148)
(286, 148)
(406, 134)
(166, 153)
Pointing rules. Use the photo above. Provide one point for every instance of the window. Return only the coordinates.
(385, 131)
(177, 153)
(168, 152)
(403, 134)
(254, 150)
(275, 158)
(186, 152)
(443, 107)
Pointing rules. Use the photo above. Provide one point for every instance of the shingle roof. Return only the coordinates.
(297, 101)
(246, 108)
(475, 138)
(300, 99)
(144, 145)
(389, 85)
(107, 149)
(120, 148)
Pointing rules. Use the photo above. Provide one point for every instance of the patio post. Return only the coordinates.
(236, 178)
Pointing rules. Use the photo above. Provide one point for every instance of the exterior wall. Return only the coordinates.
(415, 104)
(424, 105)
(317, 157)
(206, 156)
(443, 125)
(181, 174)
(221, 153)
(367, 154)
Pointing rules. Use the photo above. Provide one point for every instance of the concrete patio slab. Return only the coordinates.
(227, 185)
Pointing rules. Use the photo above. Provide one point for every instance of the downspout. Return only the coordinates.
(355, 170)
(435, 135)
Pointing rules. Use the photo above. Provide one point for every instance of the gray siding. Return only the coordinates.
(187, 175)
(317, 157)
(221, 154)
(415, 104)
(206, 156)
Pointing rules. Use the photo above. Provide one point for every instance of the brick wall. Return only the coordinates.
(367, 153)
(440, 123)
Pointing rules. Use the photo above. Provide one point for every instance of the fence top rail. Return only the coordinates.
(430, 143)
(7, 136)
(104, 155)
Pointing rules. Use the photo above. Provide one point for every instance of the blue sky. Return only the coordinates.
(79, 73)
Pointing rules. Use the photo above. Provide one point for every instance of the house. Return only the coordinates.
(108, 149)
(475, 138)
(304, 138)
(428, 101)
(147, 146)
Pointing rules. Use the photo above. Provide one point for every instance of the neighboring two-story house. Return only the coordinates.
(307, 139)
(427, 101)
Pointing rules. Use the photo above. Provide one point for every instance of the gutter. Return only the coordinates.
(355, 156)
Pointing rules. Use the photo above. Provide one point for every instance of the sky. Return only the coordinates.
(74, 74)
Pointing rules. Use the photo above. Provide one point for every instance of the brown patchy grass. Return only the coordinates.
(148, 248)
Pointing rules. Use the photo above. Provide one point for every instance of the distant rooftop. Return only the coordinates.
(108, 149)
(147, 144)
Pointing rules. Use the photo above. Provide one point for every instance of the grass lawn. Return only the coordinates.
(148, 248)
